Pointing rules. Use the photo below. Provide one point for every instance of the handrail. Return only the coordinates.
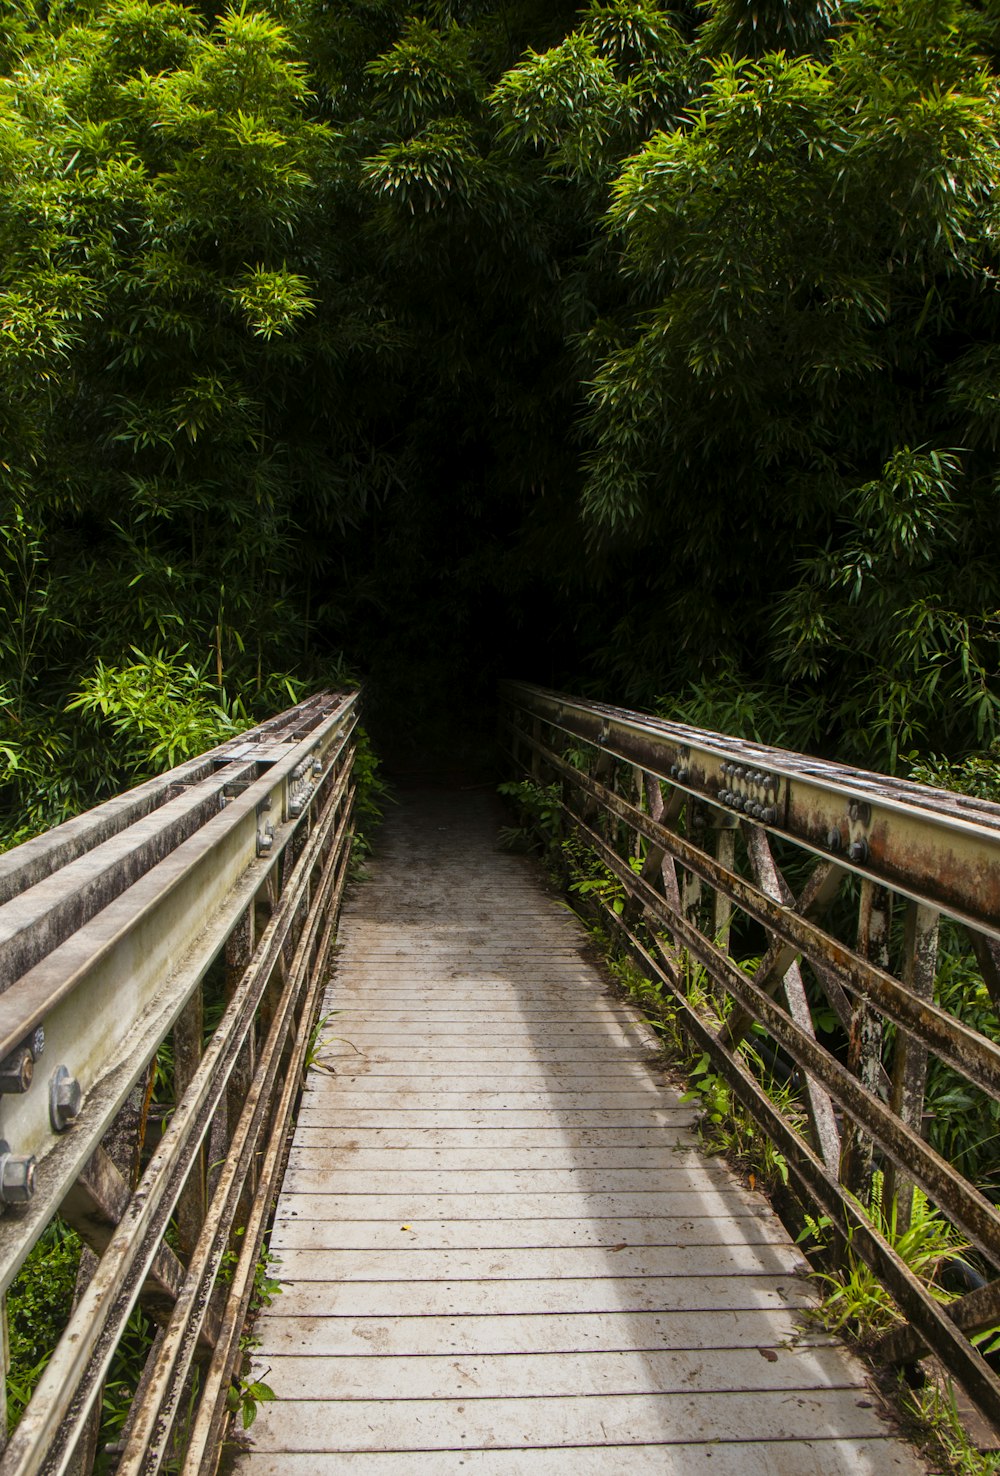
(693, 832)
(224, 875)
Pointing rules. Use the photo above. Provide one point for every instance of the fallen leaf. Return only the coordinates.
(752, 1180)
(769, 1354)
(406, 1227)
(622, 1246)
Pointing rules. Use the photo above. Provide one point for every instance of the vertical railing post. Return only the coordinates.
(909, 1062)
(238, 953)
(725, 854)
(188, 1033)
(864, 1051)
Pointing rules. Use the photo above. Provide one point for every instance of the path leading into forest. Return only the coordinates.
(500, 1247)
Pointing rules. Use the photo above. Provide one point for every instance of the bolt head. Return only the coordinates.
(17, 1070)
(833, 840)
(65, 1099)
(858, 851)
(17, 1176)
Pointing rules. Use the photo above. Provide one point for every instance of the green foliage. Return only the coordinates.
(245, 1396)
(159, 710)
(857, 1300)
(38, 1308)
(937, 1410)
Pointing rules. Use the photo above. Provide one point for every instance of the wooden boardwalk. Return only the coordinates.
(501, 1252)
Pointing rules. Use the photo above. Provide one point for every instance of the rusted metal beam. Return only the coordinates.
(933, 849)
(864, 1044)
(970, 1053)
(819, 1187)
(94, 1207)
(964, 1204)
(973, 1313)
(939, 848)
(819, 891)
(108, 995)
(909, 1065)
(822, 1121)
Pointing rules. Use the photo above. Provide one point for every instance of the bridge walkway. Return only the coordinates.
(500, 1249)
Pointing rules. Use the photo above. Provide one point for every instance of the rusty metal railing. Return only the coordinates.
(219, 882)
(697, 831)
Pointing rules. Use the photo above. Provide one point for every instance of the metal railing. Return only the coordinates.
(216, 885)
(696, 832)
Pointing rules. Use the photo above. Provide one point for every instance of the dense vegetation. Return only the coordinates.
(646, 350)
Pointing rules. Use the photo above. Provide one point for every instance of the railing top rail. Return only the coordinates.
(25, 865)
(928, 844)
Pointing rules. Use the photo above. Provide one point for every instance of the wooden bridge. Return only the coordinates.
(500, 1247)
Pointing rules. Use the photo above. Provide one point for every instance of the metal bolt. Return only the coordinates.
(833, 840)
(858, 851)
(65, 1099)
(296, 805)
(317, 766)
(265, 839)
(769, 814)
(674, 771)
(682, 776)
(17, 1070)
(17, 1175)
(37, 1042)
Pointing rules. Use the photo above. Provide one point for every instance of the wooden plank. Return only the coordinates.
(838, 1457)
(293, 1231)
(494, 1073)
(331, 1111)
(603, 1100)
(514, 1424)
(498, 1081)
(550, 1375)
(337, 1180)
(596, 1206)
(500, 1298)
(677, 1164)
(531, 1262)
(485, 1139)
(407, 1337)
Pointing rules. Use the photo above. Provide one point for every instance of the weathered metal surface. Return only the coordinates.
(969, 1209)
(928, 844)
(32, 862)
(109, 994)
(962, 1047)
(940, 852)
(495, 1229)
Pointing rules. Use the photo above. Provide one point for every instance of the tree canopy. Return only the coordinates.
(641, 349)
